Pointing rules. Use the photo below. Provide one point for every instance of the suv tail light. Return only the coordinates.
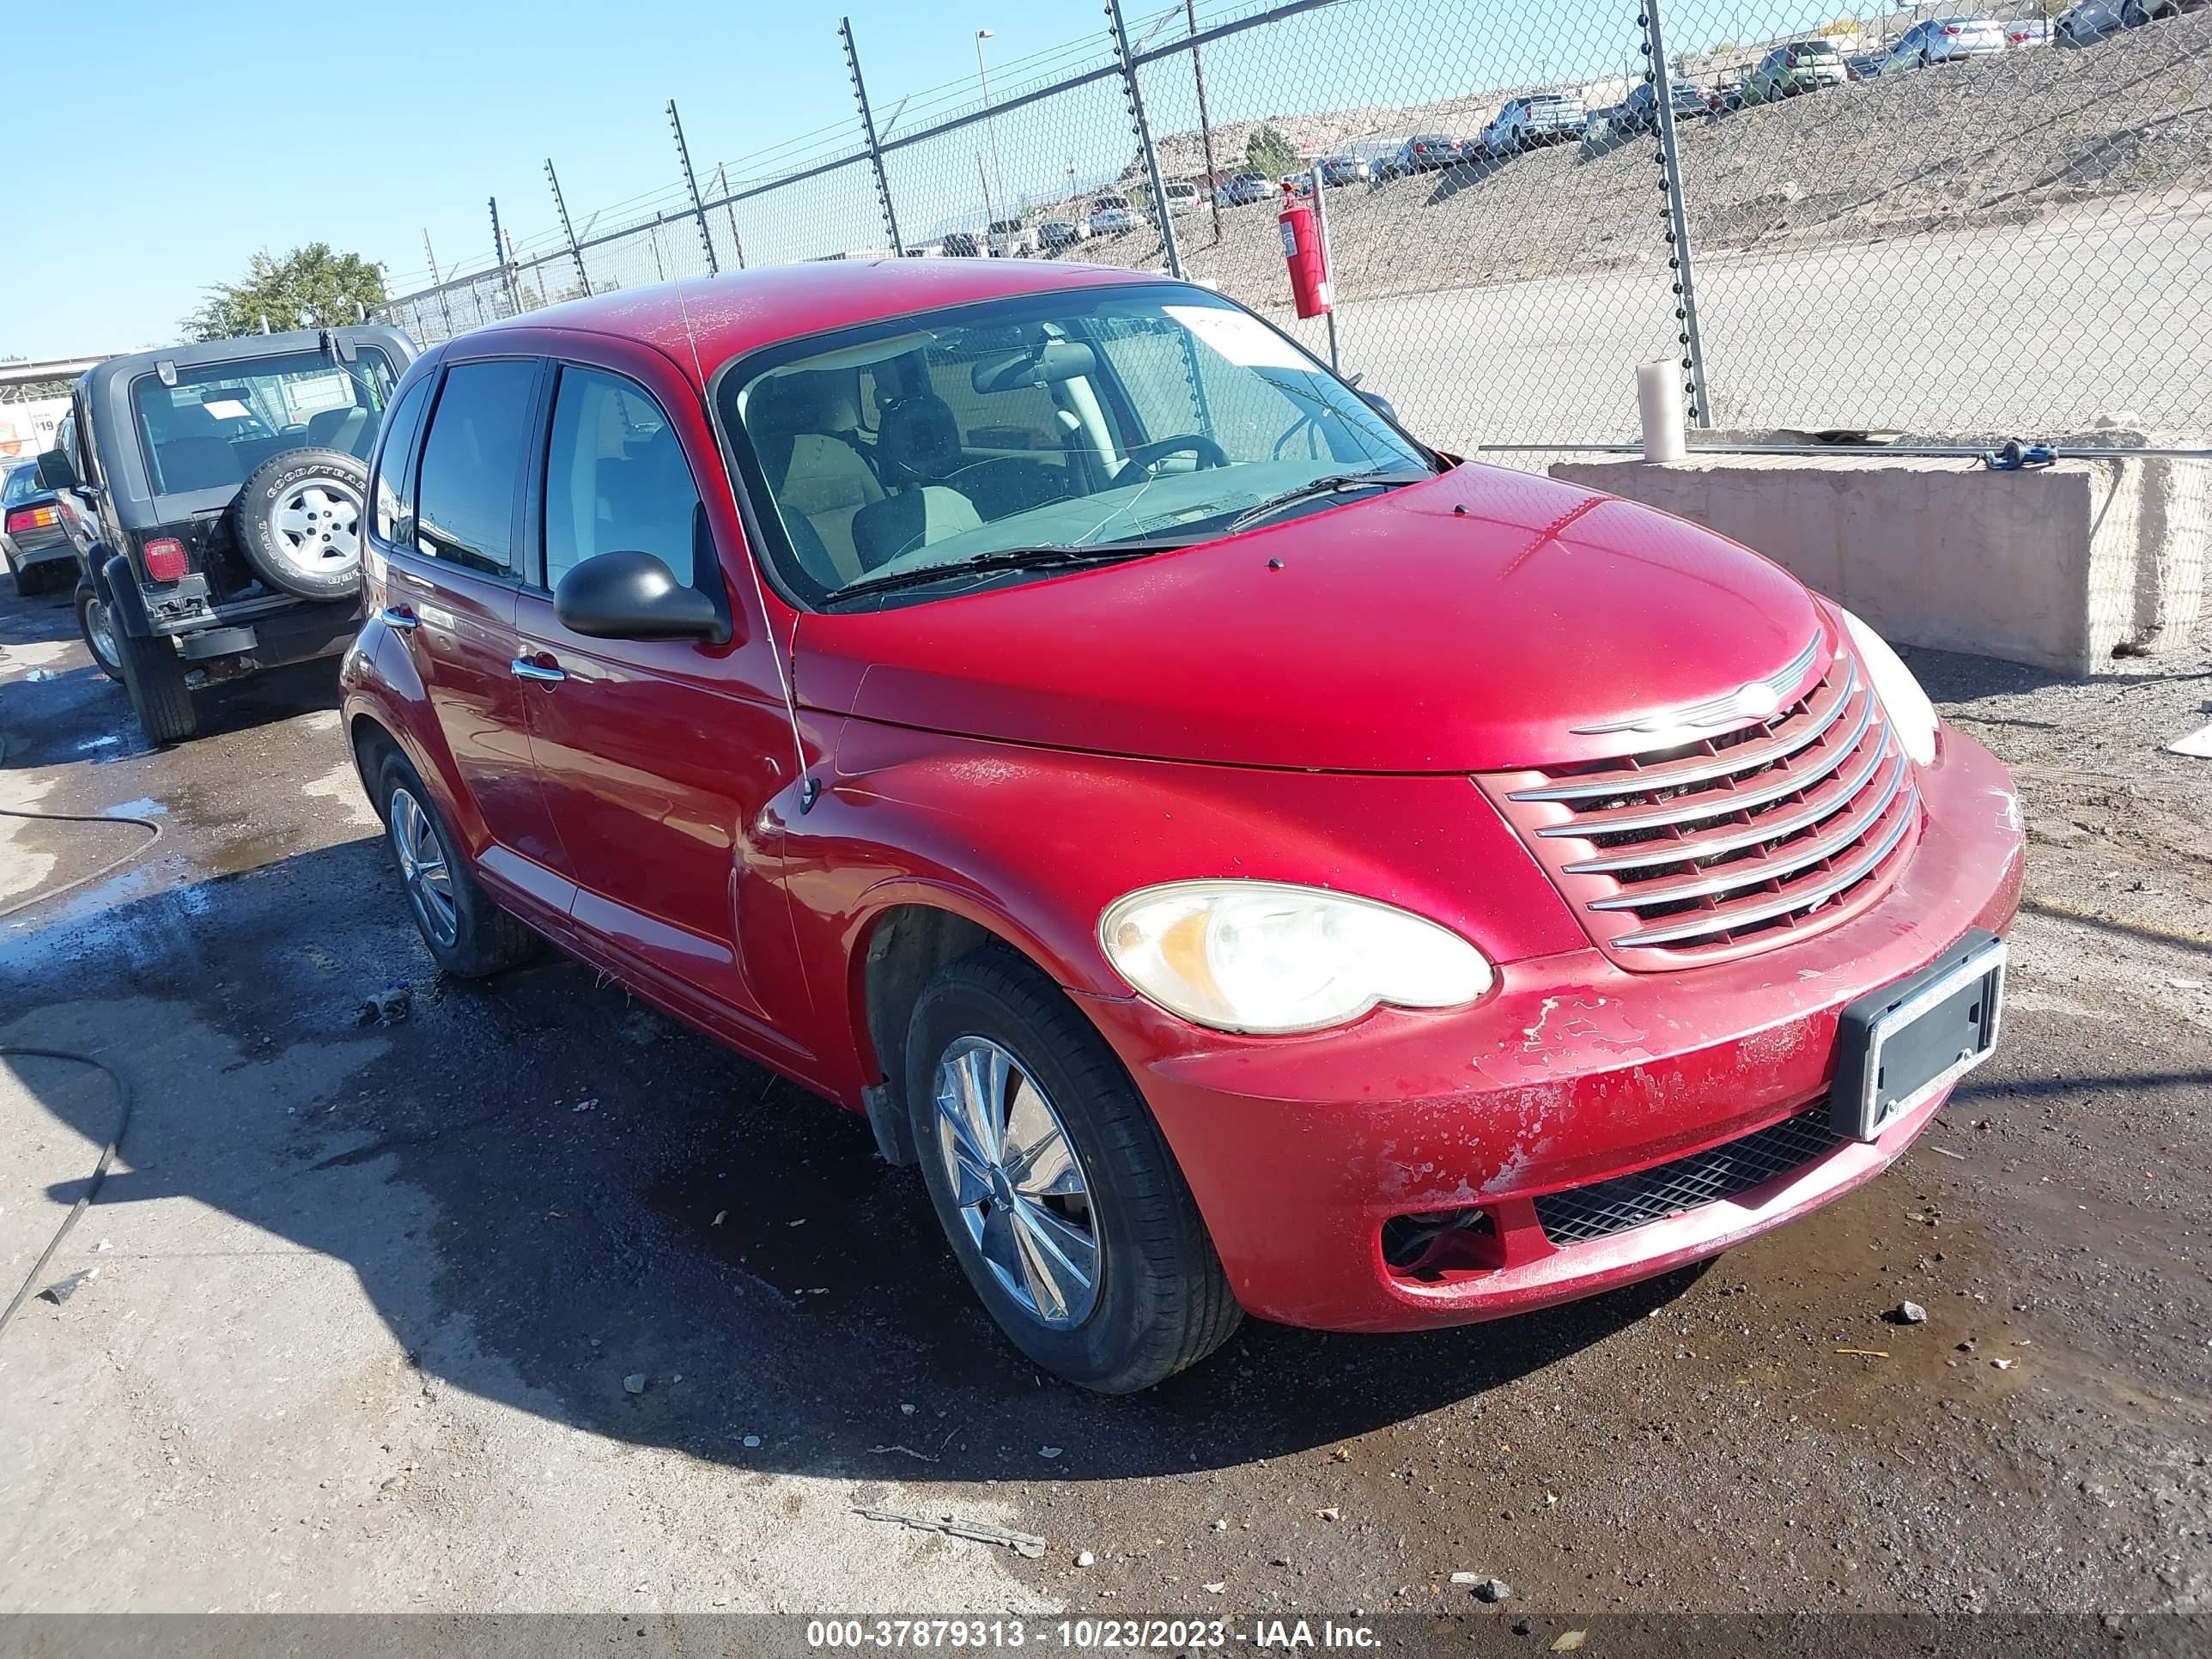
(25, 518)
(165, 559)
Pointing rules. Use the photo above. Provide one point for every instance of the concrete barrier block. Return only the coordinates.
(2062, 566)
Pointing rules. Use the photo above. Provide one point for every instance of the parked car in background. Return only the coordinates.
(2024, 32)
(1180, 195)
(1241, 189)
(1011, 239)
(1388, 984)
(215, 496)
(2095, 19)
(1798, 67)
(1944, 40)
(1055, 235)
(1425, 152)
(1639, 110)
(34, 539)
(1345, 170)
(1525, 123)
(1863, 65)
(1111, 216)
(962, 245)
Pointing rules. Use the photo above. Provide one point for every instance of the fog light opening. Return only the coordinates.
(1433, 1248)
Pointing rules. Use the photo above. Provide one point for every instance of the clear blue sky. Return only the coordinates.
(216, 130)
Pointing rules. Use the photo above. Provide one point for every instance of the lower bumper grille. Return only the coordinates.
(1582, 1214)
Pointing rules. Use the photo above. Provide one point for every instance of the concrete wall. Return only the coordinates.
(2062, 566)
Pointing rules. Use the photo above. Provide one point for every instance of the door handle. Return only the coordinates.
(399, 617)
(544, 673)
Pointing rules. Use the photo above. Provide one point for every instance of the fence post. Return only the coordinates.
(506, 265)
(1661, 75)
(691, 184)
(583, 277)
(1160, 208)
(868, 130)
(729, 206)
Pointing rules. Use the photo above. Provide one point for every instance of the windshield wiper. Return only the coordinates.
(1334, 484)
(1048, 558)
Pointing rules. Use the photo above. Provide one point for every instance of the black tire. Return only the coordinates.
(324, 492)
(1161, 1299)
(93, 622)
(23, 583)
(153, 674)
(482, 938)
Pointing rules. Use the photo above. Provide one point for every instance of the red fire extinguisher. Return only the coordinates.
(1304, 254)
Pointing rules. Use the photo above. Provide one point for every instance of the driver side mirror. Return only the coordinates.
(1381, 405)
(55, 472)
(628, 595)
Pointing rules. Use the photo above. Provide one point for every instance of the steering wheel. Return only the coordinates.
(1146, 457)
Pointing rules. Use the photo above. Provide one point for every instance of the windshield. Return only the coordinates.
(1086, 419)
(219, 421)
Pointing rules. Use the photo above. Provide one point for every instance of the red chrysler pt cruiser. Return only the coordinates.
(1250, 861)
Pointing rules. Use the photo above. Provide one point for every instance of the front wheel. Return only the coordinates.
(1054, 1185)
(98, 629)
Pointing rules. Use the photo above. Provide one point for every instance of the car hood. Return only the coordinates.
(1469, 623)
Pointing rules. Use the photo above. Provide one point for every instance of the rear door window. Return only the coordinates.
(472, 464)
(393, 488)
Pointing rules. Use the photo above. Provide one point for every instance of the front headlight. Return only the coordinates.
(1264, 957)
(1911, 714)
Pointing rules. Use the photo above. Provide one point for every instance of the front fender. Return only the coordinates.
(1033, 844)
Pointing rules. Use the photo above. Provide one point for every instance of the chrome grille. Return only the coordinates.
(1725, 845)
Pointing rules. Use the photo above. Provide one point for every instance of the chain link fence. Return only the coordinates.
(1835, 218)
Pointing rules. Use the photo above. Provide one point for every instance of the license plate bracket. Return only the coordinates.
(1899, 1046)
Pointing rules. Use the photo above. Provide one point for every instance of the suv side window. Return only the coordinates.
(616, 478)
(472, 464)
(393, 490)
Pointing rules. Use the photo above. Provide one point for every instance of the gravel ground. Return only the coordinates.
(366, 1296)
(2125, 123)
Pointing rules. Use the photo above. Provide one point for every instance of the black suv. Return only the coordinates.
(214, 494)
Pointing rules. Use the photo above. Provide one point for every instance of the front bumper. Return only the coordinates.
(1572, 1072)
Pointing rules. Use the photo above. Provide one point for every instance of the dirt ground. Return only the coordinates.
(366, 1297)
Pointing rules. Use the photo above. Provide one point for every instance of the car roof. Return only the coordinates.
(247, 348)
(729, 315)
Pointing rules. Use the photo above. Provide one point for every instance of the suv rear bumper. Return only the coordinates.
(272, 636)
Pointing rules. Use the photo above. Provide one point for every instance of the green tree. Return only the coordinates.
(1270, 153)
(310, 286)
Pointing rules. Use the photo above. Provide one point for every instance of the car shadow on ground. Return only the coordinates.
(544, 1189)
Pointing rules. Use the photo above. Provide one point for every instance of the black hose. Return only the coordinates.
(115, 863)
(11, 1050)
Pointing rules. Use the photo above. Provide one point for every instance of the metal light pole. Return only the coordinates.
(990, 125)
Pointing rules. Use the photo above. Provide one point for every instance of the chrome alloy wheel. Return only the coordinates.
(316, 525)
(100, 634)
(423, 867)
(1017, 1182)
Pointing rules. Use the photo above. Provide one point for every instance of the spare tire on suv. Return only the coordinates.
(297, 521)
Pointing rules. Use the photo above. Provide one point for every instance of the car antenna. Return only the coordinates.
(810, 788)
